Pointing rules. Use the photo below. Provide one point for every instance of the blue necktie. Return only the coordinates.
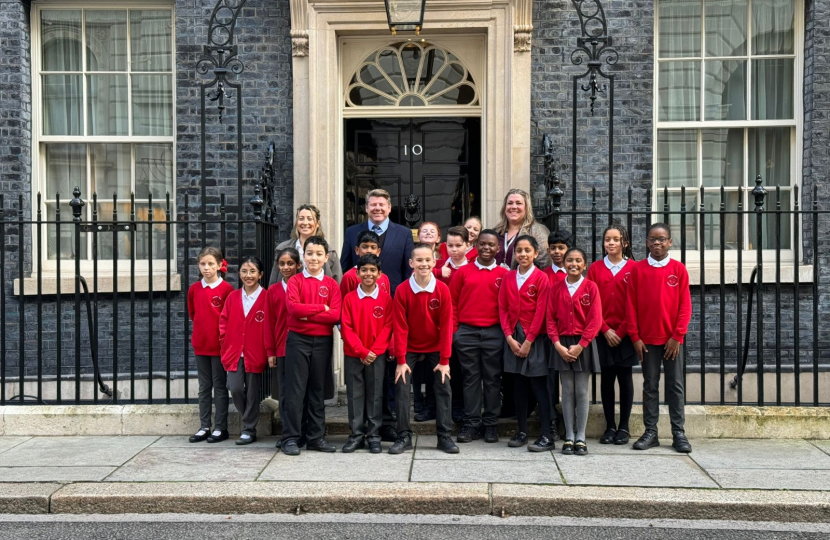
(377, 229)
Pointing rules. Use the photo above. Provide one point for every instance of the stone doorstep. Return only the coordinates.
(702, 421)
(415, 498)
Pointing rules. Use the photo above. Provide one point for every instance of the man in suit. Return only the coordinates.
(395, 249)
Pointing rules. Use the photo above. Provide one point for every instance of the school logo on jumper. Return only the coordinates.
(498, 282)
(531, 290)
(216, 301)
(384, 288)
(260, 316)
(434, 303)
(673, 281)
(626, 276)
(585, 299)
(377, 313)
(324, 291)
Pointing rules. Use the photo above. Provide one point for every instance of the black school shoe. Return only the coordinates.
(458, 415)
(218, 435)
(580, 448)
(401, 445)
(246, 438)
(200, 435)
(542, 444)
(290, 448)
(568, 447)
(608, 436)
(491, 434)
(425, 415)
(388, 434)
(321, 445)
(518, 440)
(468, 434)
(681, 443)
(374, 447)
(647, 440)
(622, 437)
(353, 444)
(554, 433)
(446, 444)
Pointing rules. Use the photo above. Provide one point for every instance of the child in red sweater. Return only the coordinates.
(659, 311)
(366, 329)
(368, 243)
(478, 339)
(422, 332)
(574, 319)
(559, 242)
(523, 299)
(617, 356)
(454, 251)
(247, 338)
(313, 305)
(205, 300)
(473, 228)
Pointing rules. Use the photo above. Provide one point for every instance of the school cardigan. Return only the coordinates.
(366, 324)
(577, 315)
(351, 282)
(251, 336)
(475, 295)
(429, 314)
(659, 302)
(614, 293)
(204, 305)
(306, 298)
(526, 305)
(279, 316)
(554, 276)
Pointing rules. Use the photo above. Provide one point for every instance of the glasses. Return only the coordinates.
(248, 272)
(657, 240)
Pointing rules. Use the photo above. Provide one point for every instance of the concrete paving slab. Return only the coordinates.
(824, 446)
(357, 467)
(54, 474)
(641, 470)
(180, 441)
(29, 498)
(594, 447)
(195, 464)
(476, 451)
(778, 479)
(505, 472)
(74, 451)
(9, 441)
(759, 454)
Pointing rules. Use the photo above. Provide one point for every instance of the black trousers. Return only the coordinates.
(389, 394)
(364, 390)
(622, 374)
(481, 353)
(523, 386)
(244, 389)
(306, 362)
(213, 390)
(278, 393)
(652, 360)
(443, 396)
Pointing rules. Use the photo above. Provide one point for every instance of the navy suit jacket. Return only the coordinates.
(394, 257)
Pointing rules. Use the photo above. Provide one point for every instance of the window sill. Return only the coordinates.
(713, 277)
(141, 284)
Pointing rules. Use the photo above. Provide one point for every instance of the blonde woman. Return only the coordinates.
(516, 219)
(306, 224)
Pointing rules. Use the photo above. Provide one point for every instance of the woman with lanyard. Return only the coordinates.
(516, 219)
(307, 224)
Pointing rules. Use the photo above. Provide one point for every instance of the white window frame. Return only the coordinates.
(105, 266)
(712, 256)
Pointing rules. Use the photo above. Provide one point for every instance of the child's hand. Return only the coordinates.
(327, 307)
(446, 272)
(514, 345)
(564, 353)
(401, 371)
(525, 349)
(371, 357)
(303, 318)
(672, 349)
(272, 361)
(575, 351)
(640, 347)
(444, 370)
(612, 338)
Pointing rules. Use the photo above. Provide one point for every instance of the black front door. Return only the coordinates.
(430, 166)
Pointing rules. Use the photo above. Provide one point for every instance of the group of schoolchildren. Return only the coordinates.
(460, 317)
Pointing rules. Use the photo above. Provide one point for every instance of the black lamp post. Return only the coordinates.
(405, 15)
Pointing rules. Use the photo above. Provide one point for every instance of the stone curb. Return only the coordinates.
(28, 498)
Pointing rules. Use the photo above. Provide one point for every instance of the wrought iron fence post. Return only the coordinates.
(257, 203)
(759, 193)
(77, 208)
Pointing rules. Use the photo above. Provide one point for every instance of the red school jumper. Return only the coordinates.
(351, 282)
(614, 293)
(659, 303)
(366, 324)
(439, 274)
(252, 336)
(475, 295)
(307, 298)
(279, 315)
(471, 255)
(554, 276)
(204, 305)
(526, 305)
(430, 317)
(577, 315)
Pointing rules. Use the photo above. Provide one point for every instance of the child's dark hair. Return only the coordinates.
(369, 259)
(211, 251)
(254, 261)
(461, 232)
(624, 238)
(562, 236)
(420, 245)
(659, 225)
(529, 239)
(316, 241)
(368, 236)
(491, 232)
(291, 252)
(578, 250)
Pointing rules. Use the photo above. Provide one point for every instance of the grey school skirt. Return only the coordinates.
(537, 362)
(587, 361)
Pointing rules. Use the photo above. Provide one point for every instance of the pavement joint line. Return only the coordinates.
(703, 469)
(813, 443)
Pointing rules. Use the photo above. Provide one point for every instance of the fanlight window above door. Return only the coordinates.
(411, 74)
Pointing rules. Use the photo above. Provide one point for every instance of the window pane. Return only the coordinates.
(770, 225)
(679, 23)
(772, 89)
(151, 239)
(107, 105)
(679, 84)
(67, 235)
(65, 169)
(60, 32)
(725, 92)
(153, 170)
(726, 27)
(105, 212)
(111, 164)
(62, 109)
(677, 158)
(772, 27)
(723, 157)
(713, 223)
(106, 40)
(152, 105)
(769, 156)
(151, 40)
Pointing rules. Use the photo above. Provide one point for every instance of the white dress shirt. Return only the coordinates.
(572, 287)
(659, 264)
(615, 268)
(417, 288)
(520, 279)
